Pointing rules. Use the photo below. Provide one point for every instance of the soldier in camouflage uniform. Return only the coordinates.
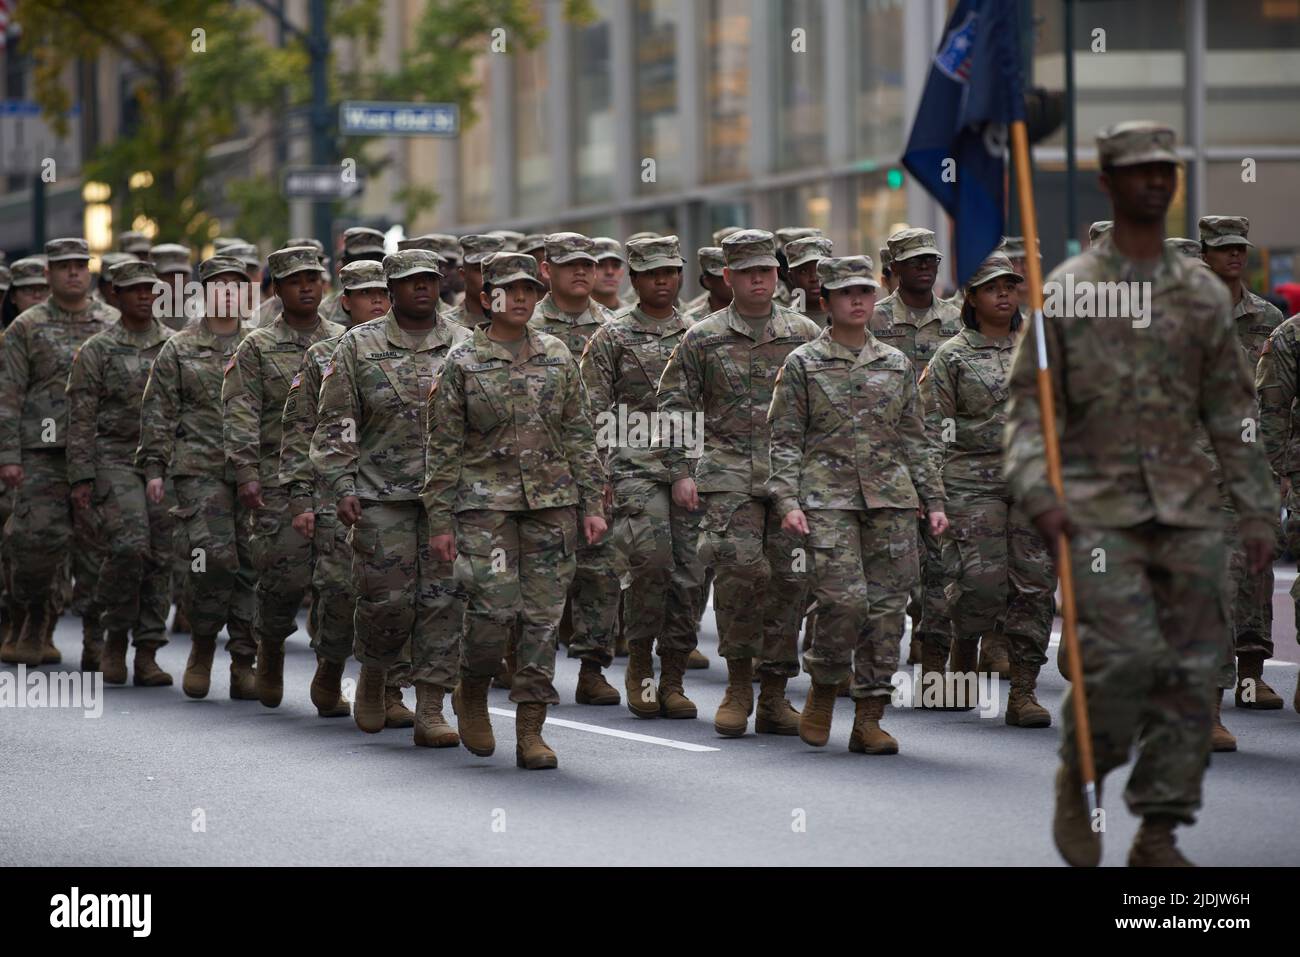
(888, 281)
(270, 309)
(359, 243)
(135, 243)
(717, 294)
(803, 256)
(171, 261)
(784, 237)
(253, 393)
(999, 574)
(611, 266)
(511, 453)
(181, 444)
(1134, 394)
(37, 356)
(1191, 248)
(105, 391)
(1225, 249)
(570, 314)
(369, 451)
(104, 282)
(916, 321)
(655, 536)
(850, 467)
(510, 237)
(724, 369)
(476, 249)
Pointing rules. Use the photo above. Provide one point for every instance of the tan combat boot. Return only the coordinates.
(1072, 829)
(697, 660)
(198, 669)
(531, 751)
(92, 644)
(1221, 739)
(818, 711)
(270, 674)
(243, 683)
(1023, 709)
(673, 702)
(1252, 691)
(1154, 846)
(592, 686)
(431, 728)
(113, 662)
(50, 654)
(396, 713)
(368, 710)
(868, 737)
(148, 674)
(995, 654)
(775, 714)
(327, 689)
(732, 717)
(469, 701)
(638, 680)
(934, 670)
(14, 616)
(29, 648)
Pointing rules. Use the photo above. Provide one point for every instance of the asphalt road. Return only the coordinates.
(162, 780)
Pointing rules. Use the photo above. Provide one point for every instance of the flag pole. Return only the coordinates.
(1046, 403)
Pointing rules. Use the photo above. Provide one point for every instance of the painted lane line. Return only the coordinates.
(614, 733)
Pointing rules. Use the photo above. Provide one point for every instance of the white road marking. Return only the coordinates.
(614, 733)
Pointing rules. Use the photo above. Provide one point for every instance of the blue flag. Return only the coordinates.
(960, 133)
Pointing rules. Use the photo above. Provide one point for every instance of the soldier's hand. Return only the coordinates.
(1259, 553)
(305, 524)
(594, 527)
(349, 510)
(1051, 524)
(80, 496)
(686, 495)
(154, 491)
(11, 475)
(443, 547)
(250, 494)
(938, 523)
(795, 522)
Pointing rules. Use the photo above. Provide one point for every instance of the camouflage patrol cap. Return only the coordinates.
(788, 234)
(1012, 247)
(5, 277)
(28, 271)
(720, 234)
(133, 272)
(750, 248)
(1225, 230)
(847, 271)
(603, 247)
(479, 246)
(510, 236)
(532, 243)
(364, 274)
(409, 262)
(445, 247)
(809, 249)
(569, 247)
(1184, 246)
(999, 264)
(711, 260)
(58, 250)
(425, 242)
(1098, 229)
(222, 243)
(291, 259)
(909, 243)
(315, 244)
(219, 266)
(246, 253)
(108, 260)
(503, 268)
(644, 234)
(360, 240)
(170, 257)
(886, 260)
(1136, 141)
(133, 241)
(658, 253)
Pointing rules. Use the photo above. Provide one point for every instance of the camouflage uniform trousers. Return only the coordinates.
(282, 559)
(760, 580)
(1151, 634)
(219, 560)
(657, 540)
(133, 590)
(999, 573)
(593, 602)
(517, 568)
(928, 599)
(405, 597)
(1251, 598)
(863, 566)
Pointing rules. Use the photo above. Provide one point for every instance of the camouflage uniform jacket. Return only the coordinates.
(1131, 403)
(374, 400)
(1255, 319)
(572, 330)
(847, 430)
(510, 435)
(460, 316)
(253, 393)
(621, 367)
(333, 311)
(39, 347)
(267, 311)
(105, 394)
(916, 335)
(297, 473)
(720, 371)
(1277, 379)
(181, 415)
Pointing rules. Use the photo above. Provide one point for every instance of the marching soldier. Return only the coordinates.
(803, 255)
(1191, 248)
(359, 243)
(611, 264)
(253, 393)
(784, 237)
(512, 456)
(269, 309)
(509, 237)
(105, 393)
(1133, 399)
(104, 281)
(717, 294)
(135, 243)
(29, 286)
(475, 249)
(171, 261)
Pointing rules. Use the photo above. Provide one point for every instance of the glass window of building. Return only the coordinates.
(593, 108)
(1272, 223)
(805, 205)
(877, 55)
(726, 52)
(532, 132)
(882, 211)
(799, 65)
(658, 134)
(1252, 72)
(476, 151)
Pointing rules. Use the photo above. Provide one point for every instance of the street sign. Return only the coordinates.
(364, 118)
(319, 182)
(27, 140)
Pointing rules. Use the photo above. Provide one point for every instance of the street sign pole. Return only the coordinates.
(321, 148)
